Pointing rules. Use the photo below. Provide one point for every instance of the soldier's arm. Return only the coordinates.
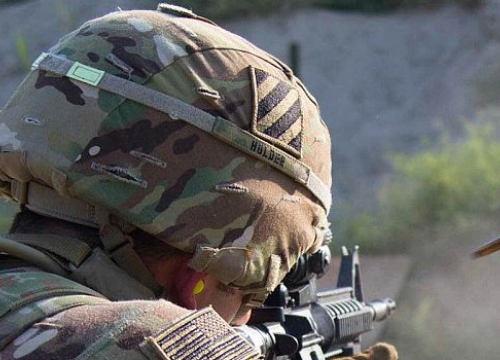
(130, 330)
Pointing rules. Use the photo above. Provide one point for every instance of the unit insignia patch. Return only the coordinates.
(277, 116)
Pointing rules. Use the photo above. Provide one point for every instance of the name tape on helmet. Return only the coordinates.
(176, 109)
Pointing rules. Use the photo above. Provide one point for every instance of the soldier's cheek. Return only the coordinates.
(225, 303)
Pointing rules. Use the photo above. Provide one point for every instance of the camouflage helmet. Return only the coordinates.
(181, 129)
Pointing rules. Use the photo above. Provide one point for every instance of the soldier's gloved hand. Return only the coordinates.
(379, 351)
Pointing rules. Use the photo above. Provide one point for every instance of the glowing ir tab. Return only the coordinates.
(86, 74)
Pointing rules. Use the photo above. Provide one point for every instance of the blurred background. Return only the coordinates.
(411, 92)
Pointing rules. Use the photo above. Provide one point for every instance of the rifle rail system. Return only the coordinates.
(299, 323)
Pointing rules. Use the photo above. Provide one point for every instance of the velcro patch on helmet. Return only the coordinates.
(277, 114)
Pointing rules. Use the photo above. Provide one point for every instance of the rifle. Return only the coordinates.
(299, 323)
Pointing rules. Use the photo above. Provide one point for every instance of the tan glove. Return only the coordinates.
(379, 351)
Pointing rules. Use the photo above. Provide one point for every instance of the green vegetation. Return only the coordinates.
(434, 187)
(23, 53)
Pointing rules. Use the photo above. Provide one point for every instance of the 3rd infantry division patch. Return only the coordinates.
(277, 114)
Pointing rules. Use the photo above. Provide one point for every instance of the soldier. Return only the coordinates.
(169, 174)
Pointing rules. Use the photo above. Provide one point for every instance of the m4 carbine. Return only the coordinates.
(297, 322)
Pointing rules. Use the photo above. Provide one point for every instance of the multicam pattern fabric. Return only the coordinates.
(61, 325)
(29, 295)
(160, 173)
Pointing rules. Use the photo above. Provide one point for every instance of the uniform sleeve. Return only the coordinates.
(130, 330)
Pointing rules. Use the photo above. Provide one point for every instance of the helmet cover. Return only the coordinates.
(245, 222)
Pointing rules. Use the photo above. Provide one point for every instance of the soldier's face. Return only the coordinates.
(224, 300)
(178, 281)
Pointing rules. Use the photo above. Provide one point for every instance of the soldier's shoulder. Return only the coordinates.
(46, 316)
(49, 316)
(100, 330)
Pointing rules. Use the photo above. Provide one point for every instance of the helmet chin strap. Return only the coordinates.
(119, 247)
(46, 201)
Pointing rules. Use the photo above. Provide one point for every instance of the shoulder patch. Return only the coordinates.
(277, 112)
(200, 335)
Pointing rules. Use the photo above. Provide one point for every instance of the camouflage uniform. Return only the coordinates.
(162, 121)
